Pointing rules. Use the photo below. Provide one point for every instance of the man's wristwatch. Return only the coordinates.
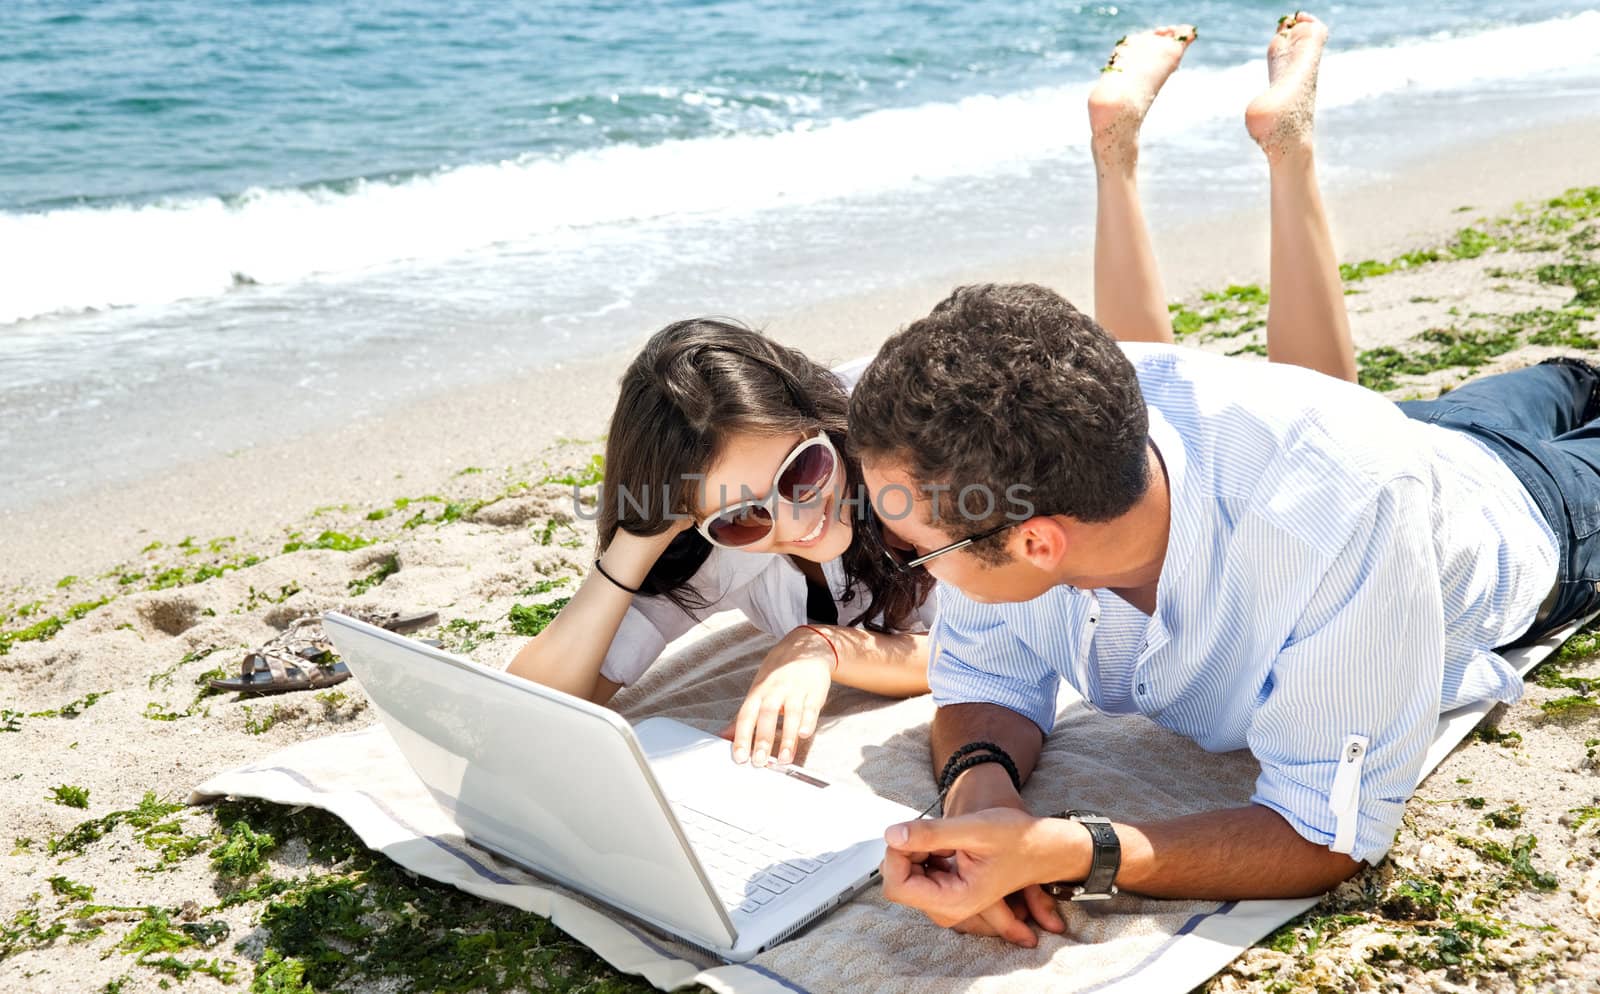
(1101, 882)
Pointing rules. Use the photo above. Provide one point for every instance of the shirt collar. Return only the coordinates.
(1183, 499)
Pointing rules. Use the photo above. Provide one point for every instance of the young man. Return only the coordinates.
(1252, 555)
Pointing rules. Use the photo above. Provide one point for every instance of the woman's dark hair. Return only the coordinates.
(695, 385)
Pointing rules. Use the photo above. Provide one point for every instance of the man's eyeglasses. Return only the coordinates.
(897, 554)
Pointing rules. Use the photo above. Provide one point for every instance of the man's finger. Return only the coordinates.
(896, 868)
(1043, 908)
(1008, 926)
(938, 834)
(974, 926)
(908, 883)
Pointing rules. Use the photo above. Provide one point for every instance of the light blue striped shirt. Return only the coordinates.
(1336, 576)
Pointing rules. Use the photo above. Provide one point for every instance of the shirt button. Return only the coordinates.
(1141, 688)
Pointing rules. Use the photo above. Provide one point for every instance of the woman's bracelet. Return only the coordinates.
(614, 581)
(824, 636)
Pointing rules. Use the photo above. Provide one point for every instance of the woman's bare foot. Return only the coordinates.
(1281, 119)
(1138, 67)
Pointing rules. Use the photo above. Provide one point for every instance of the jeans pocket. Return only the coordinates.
(1580, 489)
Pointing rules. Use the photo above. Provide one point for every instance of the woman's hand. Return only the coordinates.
(568, 655)
(630, 556)
(792, 683)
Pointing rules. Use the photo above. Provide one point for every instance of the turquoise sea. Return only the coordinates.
(221, 222)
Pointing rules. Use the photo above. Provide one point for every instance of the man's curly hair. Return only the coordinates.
(1000, 386)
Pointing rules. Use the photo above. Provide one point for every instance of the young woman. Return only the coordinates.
(728, 480)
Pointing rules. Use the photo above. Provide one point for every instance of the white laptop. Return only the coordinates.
(654, 820)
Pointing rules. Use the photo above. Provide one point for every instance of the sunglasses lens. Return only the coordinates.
(742, 526)
(803, 480)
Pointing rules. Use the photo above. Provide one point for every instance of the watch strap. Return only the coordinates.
(1100, 884)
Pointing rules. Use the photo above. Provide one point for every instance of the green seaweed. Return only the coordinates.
(164, 678)
(62, 887)
(587, 476)
(385, 569)
(451, 511)
(1583, 277)
(72, 708)
(1509, 817)
(336, 541)
(243, 853)
(544, 586)
(46, 629)
(153, 941)
(277, 975)
(149, 819)
(25, 931)
(1495, 736)
(1573, 706)
(531, 619)
(1307, 932)
(468, 634)
(1414, 899)
(260, 725)
(69, 796)
(255, 598)
(1517, 858)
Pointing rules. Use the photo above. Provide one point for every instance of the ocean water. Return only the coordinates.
(220, 223)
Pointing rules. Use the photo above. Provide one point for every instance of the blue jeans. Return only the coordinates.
(1544, 423)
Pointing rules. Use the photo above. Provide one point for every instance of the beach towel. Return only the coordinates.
(1126, 766)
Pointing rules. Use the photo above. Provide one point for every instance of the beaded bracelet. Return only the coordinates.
(970, 756)
(975, 754)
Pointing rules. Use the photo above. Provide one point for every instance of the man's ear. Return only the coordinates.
(1042, 541)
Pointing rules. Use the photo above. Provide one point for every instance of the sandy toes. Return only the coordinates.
(1281, 118)
(1138, 67)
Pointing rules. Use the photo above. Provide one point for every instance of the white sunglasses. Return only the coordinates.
(804, 477)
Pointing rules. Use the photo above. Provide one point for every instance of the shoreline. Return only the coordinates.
(523, 418)
(104, 677)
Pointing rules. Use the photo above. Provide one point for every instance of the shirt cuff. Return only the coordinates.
(1307, 811)
(1036, 702)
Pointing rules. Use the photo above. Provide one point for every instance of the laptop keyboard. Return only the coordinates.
(747, 871)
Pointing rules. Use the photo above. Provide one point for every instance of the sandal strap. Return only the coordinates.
(281, 668)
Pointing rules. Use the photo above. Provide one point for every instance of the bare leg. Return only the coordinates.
(1129, 300)
(1307, 323)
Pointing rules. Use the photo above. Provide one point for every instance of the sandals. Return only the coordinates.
(302, 658)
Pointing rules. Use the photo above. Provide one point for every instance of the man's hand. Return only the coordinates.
(984, 792)
(792, 683)
(978, 873)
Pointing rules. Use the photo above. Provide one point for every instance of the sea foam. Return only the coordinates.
(76, 259)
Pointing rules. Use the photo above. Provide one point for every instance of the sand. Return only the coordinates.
(486, 524)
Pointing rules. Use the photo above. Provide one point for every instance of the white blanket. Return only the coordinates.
(1127, 767)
